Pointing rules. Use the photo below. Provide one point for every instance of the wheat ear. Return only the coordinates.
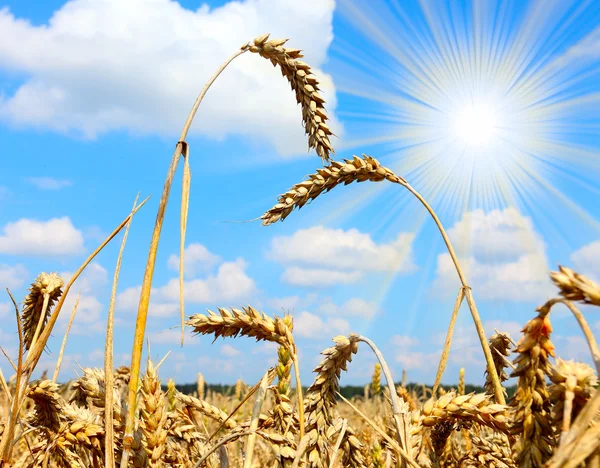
(321, 395)
(576, 287)
(534, 440)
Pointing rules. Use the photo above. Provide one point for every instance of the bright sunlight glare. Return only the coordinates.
(476, 124)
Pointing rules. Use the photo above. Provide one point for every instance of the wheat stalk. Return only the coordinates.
(360, 169)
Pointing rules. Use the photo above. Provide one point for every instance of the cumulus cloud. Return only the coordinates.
(49, 183)
(325, 256)
(286, 303)
(309, 325)
(408, 355)
(318, 277)
(91, 284)
(83, 68)
(355, 307)
(231, 283)
(197, 258)
(229, 351)
(404, 341)
(585, 260)
(501, 254)
(56, 236)
(12, 277)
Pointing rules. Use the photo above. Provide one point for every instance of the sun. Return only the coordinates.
(476, 124)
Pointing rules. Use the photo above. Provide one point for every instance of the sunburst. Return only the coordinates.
(480, 105)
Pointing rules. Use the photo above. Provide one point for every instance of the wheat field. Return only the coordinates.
(129, 417)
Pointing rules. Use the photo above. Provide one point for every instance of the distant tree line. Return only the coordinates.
(348, 391)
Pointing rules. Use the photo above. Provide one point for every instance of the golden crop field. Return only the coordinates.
(128, 417)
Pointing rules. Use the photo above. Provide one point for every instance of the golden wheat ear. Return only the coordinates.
(306, 87)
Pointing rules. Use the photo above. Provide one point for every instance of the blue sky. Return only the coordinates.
(490, 111)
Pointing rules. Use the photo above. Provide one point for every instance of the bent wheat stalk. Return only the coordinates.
(305, 85)
(361, 169)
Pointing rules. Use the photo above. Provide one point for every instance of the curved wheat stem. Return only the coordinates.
(361, 169)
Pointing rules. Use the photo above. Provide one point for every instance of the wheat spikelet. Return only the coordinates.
(376, 380)
(184, 443)
(200, 384)
(321, 397)
(531, 404)
(240, 389)
(572, 386)
(282, 411)
(461, 382)
(500, 344)
(305, 85)
(358, 169)
(171, 394)
(407, 397)
(488, 453)
(576, 287)
(46, 285)
(152, 416)
(352, 449)
(82, 429)
(48, 405)
(469, 408)
(247, 322)
(377, 456)
(206, 409)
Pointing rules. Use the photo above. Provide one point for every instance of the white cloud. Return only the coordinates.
(354, 307)
(12, 277)
(196, 257)
(417, 359)
(325, 256)
(495, 236)
(512, 328)
(585, 260)
(572, 347)
(229, 351)
(83, 67)
(56, 236)
(230, 284)
(49, 183)
(316, 277)
(89, 285)
(285, 303)
(308, 325)
(501, 255)
(404, 341)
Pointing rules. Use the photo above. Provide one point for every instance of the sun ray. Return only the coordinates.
(473, 102)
